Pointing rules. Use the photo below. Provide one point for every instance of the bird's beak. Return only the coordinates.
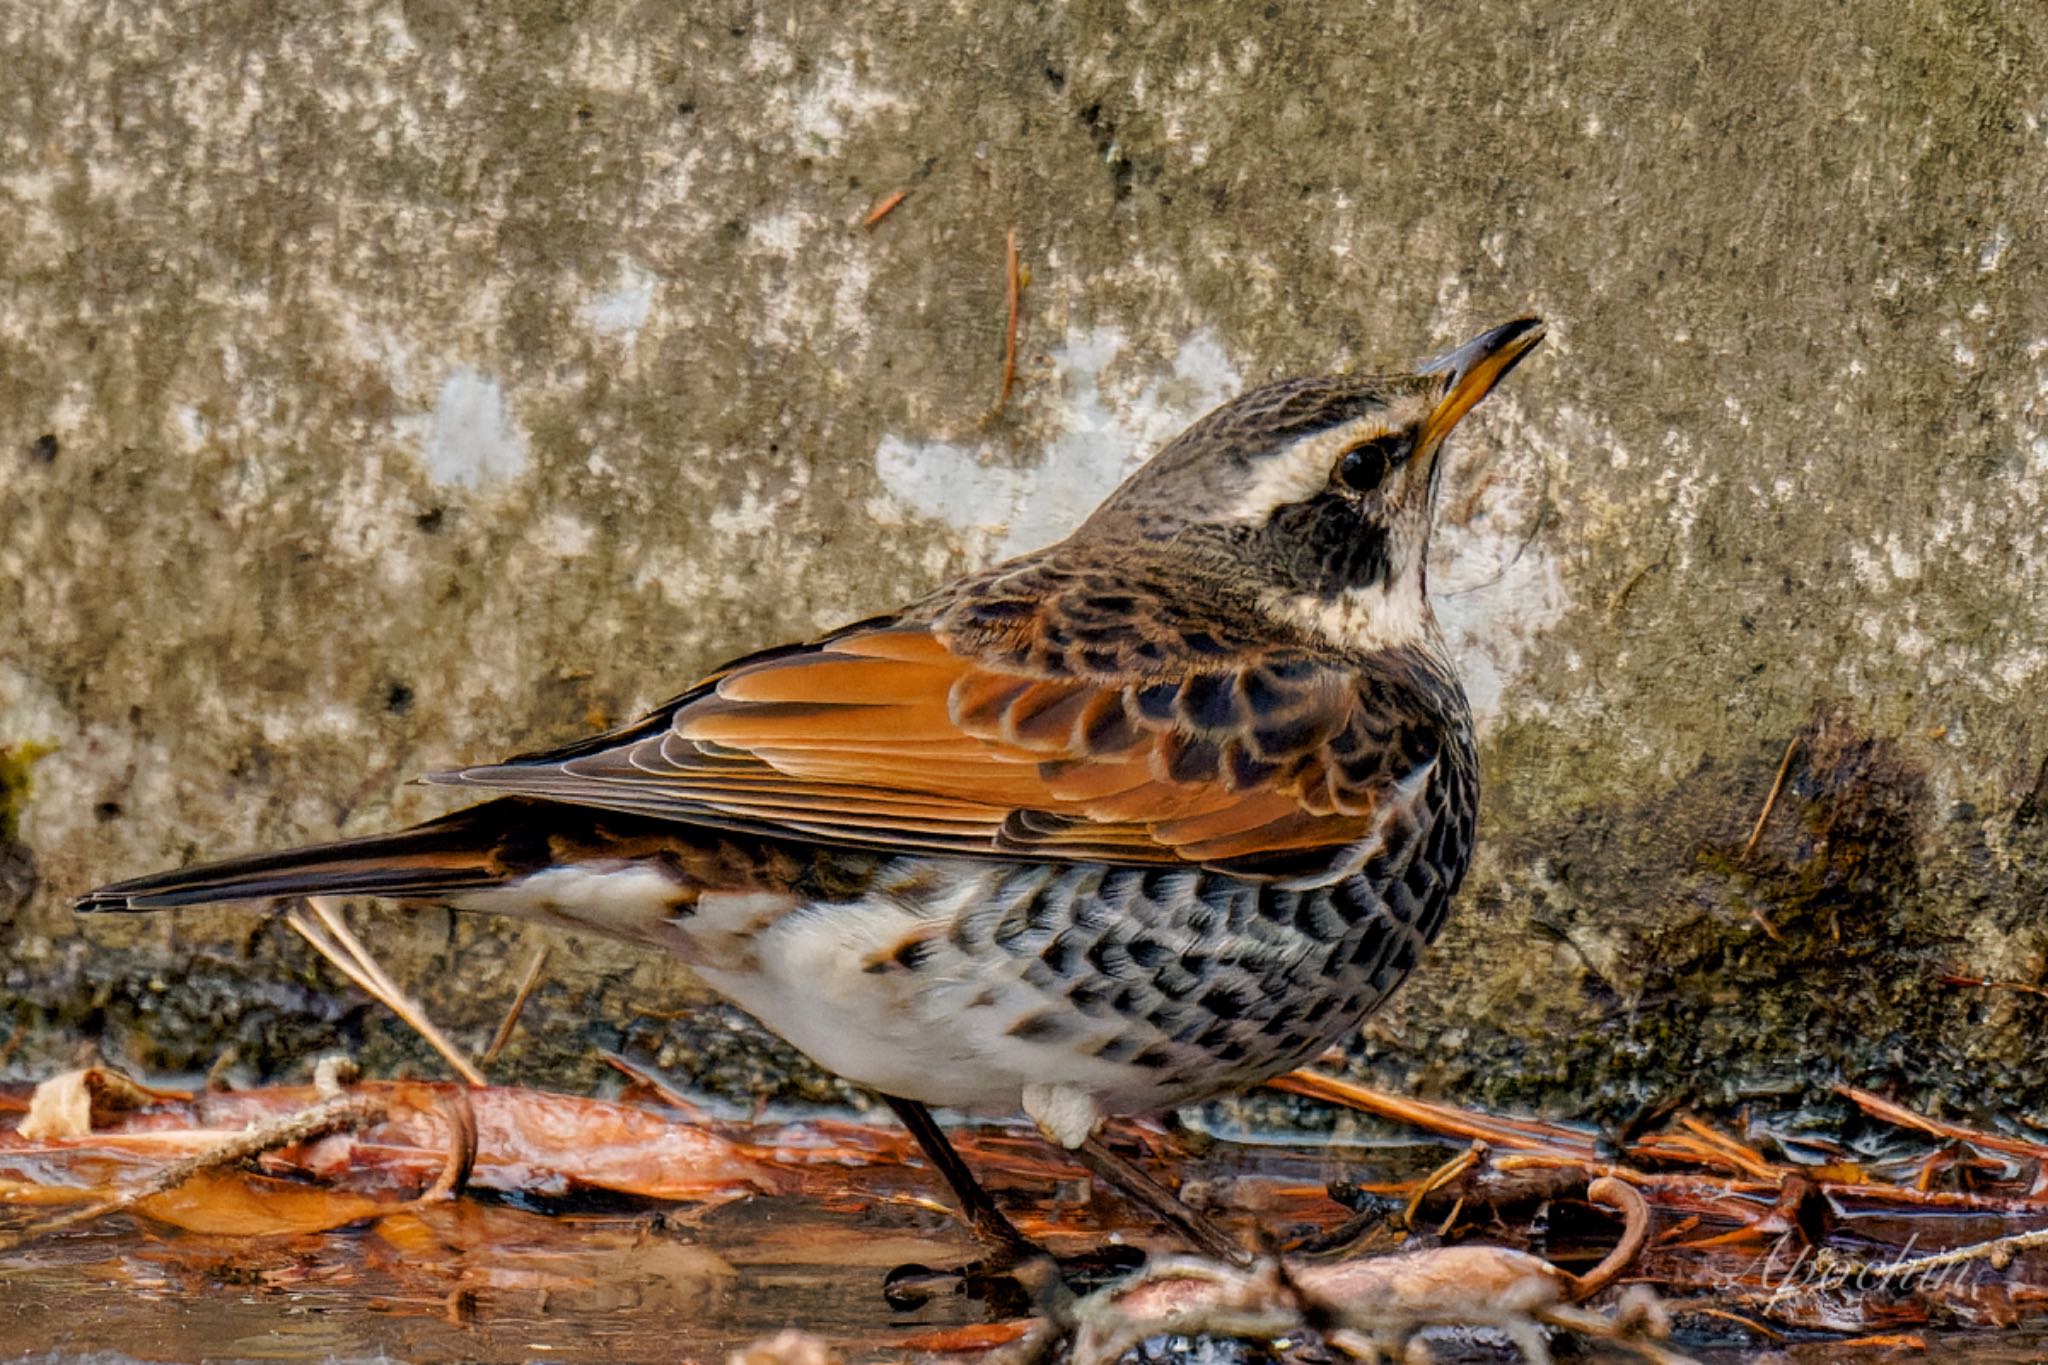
(1473, 369)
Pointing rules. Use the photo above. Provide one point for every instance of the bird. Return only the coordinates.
(1150, 815)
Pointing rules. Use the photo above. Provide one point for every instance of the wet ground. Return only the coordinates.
(489, 1278)
(789, 1225)
(568, 1289)
(573, 1288)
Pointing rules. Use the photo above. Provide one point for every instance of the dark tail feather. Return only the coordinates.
(470, 850)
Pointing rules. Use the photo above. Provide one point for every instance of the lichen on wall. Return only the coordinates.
(408, 384)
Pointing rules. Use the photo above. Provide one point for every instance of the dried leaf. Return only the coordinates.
(238, 1205)
(527, 1141)
(973, 1336)
(532, 1142)
(408, 1233)
(529, 1137)
(62, 1107)
(1471, 1279)
(34, 1194)
(65, 1105)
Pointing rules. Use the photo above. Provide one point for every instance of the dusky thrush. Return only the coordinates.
(1152, 814)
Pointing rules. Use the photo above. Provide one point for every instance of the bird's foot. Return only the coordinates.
(1019, 1280)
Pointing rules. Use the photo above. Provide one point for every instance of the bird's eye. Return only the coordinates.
(1364, 467)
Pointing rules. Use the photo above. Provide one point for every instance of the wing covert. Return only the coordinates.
(889, 736)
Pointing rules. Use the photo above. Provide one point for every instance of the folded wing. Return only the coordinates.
(887, 737)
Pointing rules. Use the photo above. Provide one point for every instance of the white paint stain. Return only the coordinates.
(1905, 563)
(791, 312)
(1960, 349)
(471, 437)
(189, 425)
(2021, 667)
(780, 233)
(819, 114)
(837, 99)
(622, 310)
(562, 535)
(1993, 250)
(1006, 510)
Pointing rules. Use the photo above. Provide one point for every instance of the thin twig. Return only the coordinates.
(883, 209)
(527, 984)
(331, 938)
(460, 1113)
(1517, 1134)
(1015, 294)
(1879, 1107)
(2025, 988)
(1699, 1308)
(1625, 1199)
(1999, 1251)
(1697, 1151)
(347, 1112)
(1738, 1154)
(1127, 1178)
(217, 1075)
(1442, 1176)
(1763, 816)
(337, 924)
(675, 1099)
(304, 926)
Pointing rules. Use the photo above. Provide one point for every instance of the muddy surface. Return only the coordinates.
(595, 1279)
(634, 1230)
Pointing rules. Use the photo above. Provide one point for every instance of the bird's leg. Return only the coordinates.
(1141, 1189)
(1017, 1273)
(988, 1222)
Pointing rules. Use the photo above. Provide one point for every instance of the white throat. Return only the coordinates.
(1374, 618)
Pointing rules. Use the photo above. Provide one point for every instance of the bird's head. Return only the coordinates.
(1320, 492)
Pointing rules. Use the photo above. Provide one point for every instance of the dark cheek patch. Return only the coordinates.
(1331, 543)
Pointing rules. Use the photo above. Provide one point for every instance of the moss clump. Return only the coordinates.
(15, 762)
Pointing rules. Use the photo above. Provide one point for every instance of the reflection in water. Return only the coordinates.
(486, 1279)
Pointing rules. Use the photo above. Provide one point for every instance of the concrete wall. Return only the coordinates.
(384, 386)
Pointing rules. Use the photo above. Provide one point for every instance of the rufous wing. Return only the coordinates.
(888, 737)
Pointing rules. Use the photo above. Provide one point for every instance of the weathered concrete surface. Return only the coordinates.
(386, 386)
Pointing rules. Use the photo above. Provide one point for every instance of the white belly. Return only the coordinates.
(826, 978)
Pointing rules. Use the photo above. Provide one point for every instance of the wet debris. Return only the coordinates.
(1378, 1309)
(787, 1347)
(1527, 1233)
(324, 925)
(888, 205)
(1779, 1230)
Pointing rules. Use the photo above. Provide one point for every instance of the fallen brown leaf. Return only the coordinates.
(527, 1142)
(237, 1204)
(65, 1105)
(973, 1336)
